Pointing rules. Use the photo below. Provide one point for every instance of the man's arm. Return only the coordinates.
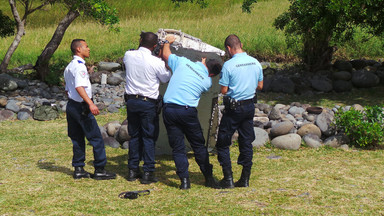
(167, 48)
(260, 85)
(224, 90)
(92, 107)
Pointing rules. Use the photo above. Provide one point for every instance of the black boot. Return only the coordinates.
(211, 182)
(148, 178)
(227, 181)
(244, 179)
(134, 174)
(102, 174)
(185, 184)
(80, 173)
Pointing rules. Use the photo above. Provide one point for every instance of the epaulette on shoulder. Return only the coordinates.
(80, 62)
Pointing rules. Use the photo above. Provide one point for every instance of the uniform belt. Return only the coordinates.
(172, 105)
(141, 98)
(83, 102)
(244, 102)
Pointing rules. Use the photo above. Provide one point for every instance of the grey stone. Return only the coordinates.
(323, 121)
(261, 137)
(359, 64)
(365, 79)
(309, 129)
(6, 115)
(108, 66)
(125, 145)
(294, 110)
(284, 85)
(342, 86)
(7, 83)
(113, 108)
(358, 107)
(288, 141)
(342, 75)
(275, 114)
(112, 142)
(12, 105)
(336, 140)
(341, 65)
(323, 85)
(23, 115)
(112, 128)
(103, 132)
(114, 80)
(21, 83)
(122, 134)
(312, 140)
(281, 128)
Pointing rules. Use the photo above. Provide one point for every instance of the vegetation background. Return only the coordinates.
(36, 173)
(211, 24)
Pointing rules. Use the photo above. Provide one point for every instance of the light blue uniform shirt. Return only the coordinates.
(241, 74)
(188, 81)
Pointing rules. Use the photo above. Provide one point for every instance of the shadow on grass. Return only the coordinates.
(165, 169)
(52, 167)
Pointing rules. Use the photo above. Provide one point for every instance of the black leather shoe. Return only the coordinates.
(211, 182)
(102, 174)
(227, 181)
(185, 184)
(133, 174)
(80, 173)
(148, 178)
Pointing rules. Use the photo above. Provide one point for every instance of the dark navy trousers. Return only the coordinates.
(81, 124)
(180, 121)
(241, 120)
(143, 128)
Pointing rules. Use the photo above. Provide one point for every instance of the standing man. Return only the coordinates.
(188, 81)
(241, 76)
(80, 115)
(144, 72)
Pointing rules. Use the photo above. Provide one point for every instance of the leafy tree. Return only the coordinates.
(96, 9)
(20, 25)
(7, 26)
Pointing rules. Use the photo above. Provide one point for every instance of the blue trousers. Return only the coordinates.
(180, 121)
(143, 128)
(241, 120)
(83, 124)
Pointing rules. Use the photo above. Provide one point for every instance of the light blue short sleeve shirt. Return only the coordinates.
(189, 80)
(241, 75)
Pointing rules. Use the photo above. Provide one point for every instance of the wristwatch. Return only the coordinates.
(166, 42)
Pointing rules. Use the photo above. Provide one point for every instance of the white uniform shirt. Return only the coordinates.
(144, 72)
(76, 75)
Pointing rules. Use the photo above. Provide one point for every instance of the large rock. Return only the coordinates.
(284, 85)
(321, 84)
(309, 129)
(112, 128)
(6, 115)
(12, 105)
(323, 121)
(122, 134)
(296, 110)
(336, 141)
(342, 75)
(109, 66)
(342, 85)
(261, 137)
(289, 142)
(112, 142)
(281, 128)
(275, 114)
(365, 79)
(341, 65)
(312, 140)
(7, 83)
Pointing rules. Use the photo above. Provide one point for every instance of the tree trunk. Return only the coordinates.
(16, 41)
(42, 63)
(317, 54)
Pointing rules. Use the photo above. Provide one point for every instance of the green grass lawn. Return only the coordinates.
(36, 179)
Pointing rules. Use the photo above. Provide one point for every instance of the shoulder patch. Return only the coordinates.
(80, 62)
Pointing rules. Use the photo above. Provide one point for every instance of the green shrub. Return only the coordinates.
(364, 128)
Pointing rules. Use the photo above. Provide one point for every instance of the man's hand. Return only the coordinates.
(170, 38)
(94, 110)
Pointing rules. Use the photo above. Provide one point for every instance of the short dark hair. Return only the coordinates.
(232, 41)
(75, 44)
(214, 66)
(148, 39)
